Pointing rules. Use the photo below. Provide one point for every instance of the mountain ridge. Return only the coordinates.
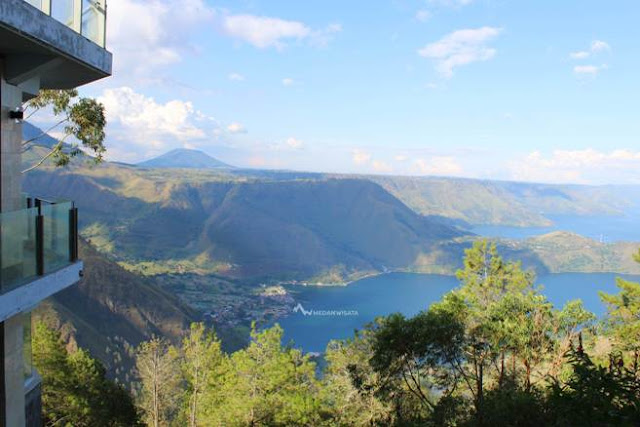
(184, 158)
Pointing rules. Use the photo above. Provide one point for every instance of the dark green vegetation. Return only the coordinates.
(75, 390)
(111, 311)
(493, 352)
(182, 158)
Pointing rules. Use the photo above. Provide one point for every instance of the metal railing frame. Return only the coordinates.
(39, 229)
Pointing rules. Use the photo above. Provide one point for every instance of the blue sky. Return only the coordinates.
(535, 91)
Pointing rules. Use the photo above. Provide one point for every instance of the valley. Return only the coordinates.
(237, 246)
(277, 226)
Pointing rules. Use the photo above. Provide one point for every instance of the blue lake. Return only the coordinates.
(408, 294)
(606, 228)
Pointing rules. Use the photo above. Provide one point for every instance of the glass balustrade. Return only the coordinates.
(35, 241)
(87, 17)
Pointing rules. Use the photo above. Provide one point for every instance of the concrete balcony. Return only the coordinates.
(39, 254)
(53, 44)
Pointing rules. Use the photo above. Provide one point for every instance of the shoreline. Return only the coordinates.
(294, 284)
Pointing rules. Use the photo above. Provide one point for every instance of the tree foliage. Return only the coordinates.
(493, 352)
(203, 366)
(80, 117)
(160, 395)
(75, 390)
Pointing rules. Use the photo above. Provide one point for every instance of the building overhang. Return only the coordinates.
(34, 45)
(27, 297)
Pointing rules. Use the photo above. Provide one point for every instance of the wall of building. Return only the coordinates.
(10, 147)
(14, 370)
(10, 200)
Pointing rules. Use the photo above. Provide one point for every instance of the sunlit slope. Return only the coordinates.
(569, 252)
(500, 203)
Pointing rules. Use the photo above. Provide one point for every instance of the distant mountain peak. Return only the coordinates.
(184, 158)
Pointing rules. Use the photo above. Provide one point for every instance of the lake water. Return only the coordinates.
(606, 228)
(408, 294)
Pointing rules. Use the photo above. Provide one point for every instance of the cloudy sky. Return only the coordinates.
(541, 90)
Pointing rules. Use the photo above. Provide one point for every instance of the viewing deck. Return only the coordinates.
(36, 242)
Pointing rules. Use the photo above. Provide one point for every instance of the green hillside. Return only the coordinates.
(251, 229)
(273, 226)
(563, 252)
(500, 203)
(112, 310)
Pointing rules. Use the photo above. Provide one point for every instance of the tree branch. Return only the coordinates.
(56, 148)
(41, 161)
(44, 132)
(35, 110)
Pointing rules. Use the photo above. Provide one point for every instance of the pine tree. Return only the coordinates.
(203, 366)
(75, 390)
(158, 368)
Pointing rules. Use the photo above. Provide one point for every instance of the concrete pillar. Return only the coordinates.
(14, 371)
(10, 148)
(11, 200)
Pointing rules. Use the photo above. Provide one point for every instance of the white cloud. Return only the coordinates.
(401, 158)
(423, 15)
(148, 34)
(321, 38)
(586, 166)
(294, 143)
(599, 46)
(382, 167)
(290, 144)
(287, 81)
(596, 47)
(461, 47)
(236, 77)
(139, 125)
(579, 55)
(451, 3)
(437, 166)
(591, 70)
(360, 157)
(236, 128)
(264, 32)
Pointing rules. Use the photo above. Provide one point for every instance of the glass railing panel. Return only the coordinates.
(36, 241)
(93, 21)
(56, 236)
(62, 10)
(35, 3)
(88, 17)
(17, 247)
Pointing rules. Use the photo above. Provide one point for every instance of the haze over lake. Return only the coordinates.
(624, 227)
(408, 294)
